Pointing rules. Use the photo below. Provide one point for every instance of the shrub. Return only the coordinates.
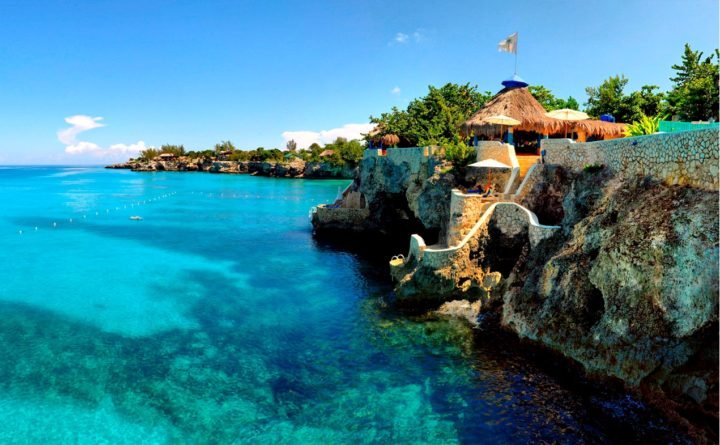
(646, 125)
(592, 168)
(459, 153)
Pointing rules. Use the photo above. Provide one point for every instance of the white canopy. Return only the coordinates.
(567, 114)
(489, 163)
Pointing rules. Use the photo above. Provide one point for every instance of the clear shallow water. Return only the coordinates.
(218, 319)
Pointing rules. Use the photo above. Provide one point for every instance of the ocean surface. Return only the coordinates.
(219, 319)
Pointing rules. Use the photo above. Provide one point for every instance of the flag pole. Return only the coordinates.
(516, 42)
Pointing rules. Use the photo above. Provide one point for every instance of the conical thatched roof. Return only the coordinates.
(517, 103)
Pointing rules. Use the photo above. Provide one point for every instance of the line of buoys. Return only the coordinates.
(107, 210)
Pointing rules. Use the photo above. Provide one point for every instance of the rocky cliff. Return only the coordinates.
(628, 288)
(296, 168)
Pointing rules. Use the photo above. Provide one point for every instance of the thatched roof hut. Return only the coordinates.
(518, 104)
(326, 153)
(602, 129)
(390, 139)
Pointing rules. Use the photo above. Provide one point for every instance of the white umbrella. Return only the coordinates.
(489, 163)
(566, 114)
(501, 119)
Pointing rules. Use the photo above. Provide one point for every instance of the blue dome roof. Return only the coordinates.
(515, 82)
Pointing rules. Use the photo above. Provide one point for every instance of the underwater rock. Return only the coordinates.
(461, 309)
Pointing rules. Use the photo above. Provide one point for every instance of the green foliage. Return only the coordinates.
(592, 168)
(695, 91)
(459, 153)
(645, 125)
(148, 154)
(177, 150)
(224, 146)
(435, 118)
(291, 145)
(151, 153)
(695, 94)
(610, 98)
(647, 102)
(548, 100)
(344, 152)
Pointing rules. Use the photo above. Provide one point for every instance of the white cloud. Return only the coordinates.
(395, 90)
(81, 123)
(417, 36)
(348, 131)
(81, 147)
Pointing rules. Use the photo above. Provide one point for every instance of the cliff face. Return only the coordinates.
(629, 288)
(403, 193)
(296, 168)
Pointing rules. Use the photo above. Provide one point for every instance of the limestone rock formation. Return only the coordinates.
(295, 168)
(631, 289)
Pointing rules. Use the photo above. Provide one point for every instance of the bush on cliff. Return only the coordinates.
(459, 154)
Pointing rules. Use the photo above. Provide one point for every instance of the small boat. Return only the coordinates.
(136, 218)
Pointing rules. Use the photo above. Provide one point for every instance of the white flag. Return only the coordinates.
(509, 44)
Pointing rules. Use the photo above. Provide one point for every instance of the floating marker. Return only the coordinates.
(54, 224)
(36, 228)
(20, 232)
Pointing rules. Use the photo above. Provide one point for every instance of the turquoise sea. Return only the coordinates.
(219, 319)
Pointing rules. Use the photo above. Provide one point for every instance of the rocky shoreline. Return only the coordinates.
(296, 168)
(627, 286)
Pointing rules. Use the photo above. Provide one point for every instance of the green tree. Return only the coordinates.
(695, 91)
(177, 150)
(548, 100)
(148, 154)
(224, 146)
(435, 118)
(610, 98)
(647, 102)
(291, 145)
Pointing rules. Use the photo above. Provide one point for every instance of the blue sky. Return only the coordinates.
(197, 72)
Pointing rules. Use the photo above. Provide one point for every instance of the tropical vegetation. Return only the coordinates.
(645, 125)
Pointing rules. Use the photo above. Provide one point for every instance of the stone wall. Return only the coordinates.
(415, 157)
(504, 153)
(495, 150)
(509, 217)
(689, 158)
(465, 211)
